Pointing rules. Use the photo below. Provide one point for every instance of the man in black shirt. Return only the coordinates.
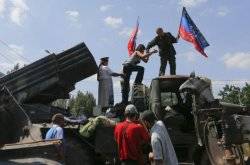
(165, 41)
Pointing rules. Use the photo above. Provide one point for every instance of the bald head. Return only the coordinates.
(159, 31)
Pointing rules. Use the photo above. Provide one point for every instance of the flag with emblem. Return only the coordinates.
(189, 32)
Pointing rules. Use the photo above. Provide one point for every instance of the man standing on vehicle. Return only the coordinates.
(164, 41)
(162, 147)
(131, 65)
(105, 87)
(130, 136)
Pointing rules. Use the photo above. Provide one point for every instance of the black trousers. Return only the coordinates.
(127, 71)
(172, 64)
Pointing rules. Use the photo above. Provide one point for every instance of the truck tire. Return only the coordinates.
(215, 151)
(77, 153)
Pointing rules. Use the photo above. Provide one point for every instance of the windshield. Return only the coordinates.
(186, 97)
(168, 99)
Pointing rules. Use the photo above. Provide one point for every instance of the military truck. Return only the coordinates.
(203, 130)
(26, 95)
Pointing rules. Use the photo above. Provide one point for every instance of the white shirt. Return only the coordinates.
(55, 132)
(105, 72)
(161, 144)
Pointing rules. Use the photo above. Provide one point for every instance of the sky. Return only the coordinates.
(28, 27)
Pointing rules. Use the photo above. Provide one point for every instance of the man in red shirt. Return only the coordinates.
(130, 136)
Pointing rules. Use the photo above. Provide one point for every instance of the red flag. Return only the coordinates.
(132, 39)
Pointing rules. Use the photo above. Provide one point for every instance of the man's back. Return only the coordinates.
(130, 136)
(161, 144)
(55, 132)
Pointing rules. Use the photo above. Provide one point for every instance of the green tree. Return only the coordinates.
(230, 94)
(236, 95)
(61, 103)
(16, 67)
(82, 103)
(245, 95)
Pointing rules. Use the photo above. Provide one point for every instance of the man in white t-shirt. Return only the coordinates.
(162, 147)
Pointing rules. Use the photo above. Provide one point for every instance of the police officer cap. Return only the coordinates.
(130, 109)
(105, 58)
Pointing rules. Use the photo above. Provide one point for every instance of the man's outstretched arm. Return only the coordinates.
(173, 39)
(151, 44)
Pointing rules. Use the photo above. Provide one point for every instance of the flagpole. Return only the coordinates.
(178, 34)
(138, 18)
(133, 37)
(137, 25)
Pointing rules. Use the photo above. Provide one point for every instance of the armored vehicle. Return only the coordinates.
(26, 95)
(203, 130)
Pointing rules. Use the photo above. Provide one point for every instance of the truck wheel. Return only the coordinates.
(77, 153)
(215, 152)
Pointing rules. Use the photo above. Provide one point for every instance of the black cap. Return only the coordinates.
(104, 58)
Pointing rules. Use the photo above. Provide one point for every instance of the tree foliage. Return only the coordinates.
(82, 103)
(236, 95)
(230, 94)
(246, 94)
(61, 103)
(15, 68)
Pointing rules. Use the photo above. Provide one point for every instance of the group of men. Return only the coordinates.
(164, 41)
(131, 135)
(135, 132)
